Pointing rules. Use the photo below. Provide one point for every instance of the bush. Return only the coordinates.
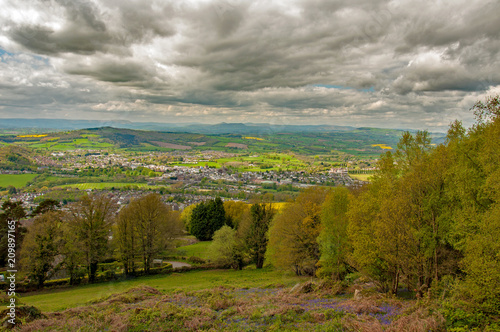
(196, 260)
(56, 282)
(223, 248)
(164, 269)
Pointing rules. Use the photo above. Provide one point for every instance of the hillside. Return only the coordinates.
(15, 158)
(365, 142)
(248, 300)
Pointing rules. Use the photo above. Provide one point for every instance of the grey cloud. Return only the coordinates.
(384, 59)
(85, 29)
(115, 70)
(74, 39)
(452, 22)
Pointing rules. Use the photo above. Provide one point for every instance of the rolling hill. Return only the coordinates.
(369, 142)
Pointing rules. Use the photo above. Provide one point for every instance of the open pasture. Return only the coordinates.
(16, 180)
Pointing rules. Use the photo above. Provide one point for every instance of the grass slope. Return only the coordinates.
(199, 249)
(194, 280)
(236, 301)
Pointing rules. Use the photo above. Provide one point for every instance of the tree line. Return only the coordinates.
(429, 221)
(89, 232)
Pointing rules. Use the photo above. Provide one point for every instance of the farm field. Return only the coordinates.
(56, 145)
(361, 142)
(16, 180)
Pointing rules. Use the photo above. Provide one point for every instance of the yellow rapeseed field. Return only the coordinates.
(256, 138)
(36, 136)
(383, 146)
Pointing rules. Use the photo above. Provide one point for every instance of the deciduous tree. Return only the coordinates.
(155, 225)
(41, 245)
(91, 219)
(293, 233)
(333, 240)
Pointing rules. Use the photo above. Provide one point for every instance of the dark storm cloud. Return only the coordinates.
(391, 63)
(85, 29)
(119, 71)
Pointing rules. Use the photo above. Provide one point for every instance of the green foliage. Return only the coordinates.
(16, 158)
(63, 196)
(90, 219)
(294, 231)
(333, 240)
(186, 217)
(45, 206)
(256, 240)
(126, 240)
(12, 213)
(144, 228)
(40, 246)
(206, 218)
(234, 212)
(222, 250)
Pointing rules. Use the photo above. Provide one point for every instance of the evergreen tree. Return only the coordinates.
(256, 239)
(206, 218)
(45, 206)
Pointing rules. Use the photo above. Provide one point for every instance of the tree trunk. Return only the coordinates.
(395, 282)
(92, 272)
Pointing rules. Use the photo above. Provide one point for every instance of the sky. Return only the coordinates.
(375, 63)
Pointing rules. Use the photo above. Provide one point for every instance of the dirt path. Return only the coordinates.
(176, 265)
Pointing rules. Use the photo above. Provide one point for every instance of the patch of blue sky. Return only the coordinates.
(13, 57)
(341, 87)
(3, 52)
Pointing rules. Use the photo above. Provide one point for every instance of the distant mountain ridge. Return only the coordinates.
(221, 128)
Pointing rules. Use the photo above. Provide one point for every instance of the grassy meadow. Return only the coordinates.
(224, 300)
(16, 180)
(57, 300)
(199, 249)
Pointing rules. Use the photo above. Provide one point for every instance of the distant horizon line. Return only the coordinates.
(198, 123)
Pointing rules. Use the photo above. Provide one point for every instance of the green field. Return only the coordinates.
(58, 142)
(199, 249)
(16, 180)
(108, 185)
(187, 281)
(362, 177)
